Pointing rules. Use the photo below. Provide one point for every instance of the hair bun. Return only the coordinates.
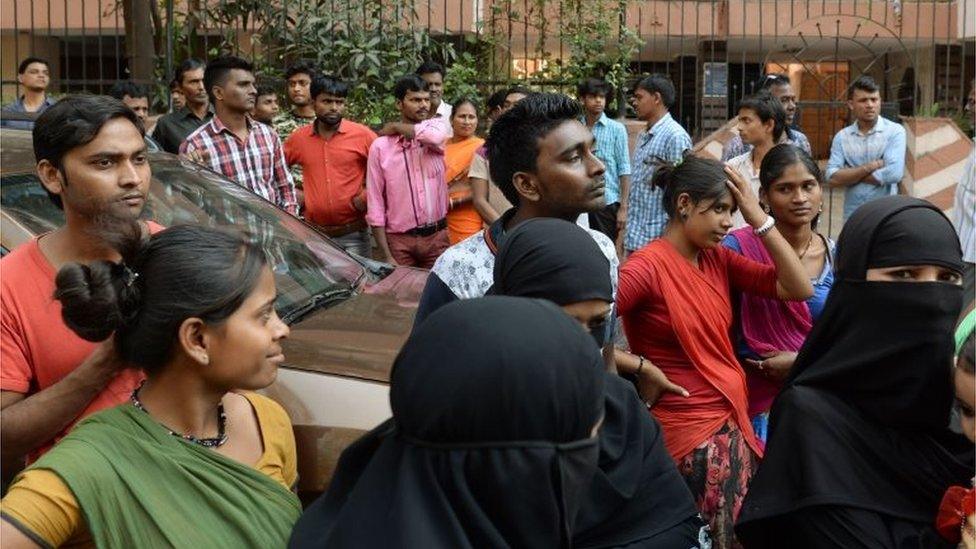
(90, 297)
(662, 173)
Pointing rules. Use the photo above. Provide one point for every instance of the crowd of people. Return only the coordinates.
(612, 349)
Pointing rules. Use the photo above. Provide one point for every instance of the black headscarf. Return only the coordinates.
(552, 259)
(493, 402)
(637, 492)
(863, 419)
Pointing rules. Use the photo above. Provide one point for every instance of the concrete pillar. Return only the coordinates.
(925, 76)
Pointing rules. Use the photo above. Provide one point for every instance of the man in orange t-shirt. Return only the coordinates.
(91, 159)
(332, 153)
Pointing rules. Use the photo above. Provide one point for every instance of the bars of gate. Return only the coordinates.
(679, 37)
(920, 51)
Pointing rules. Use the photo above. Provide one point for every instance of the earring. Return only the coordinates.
(684, 214)
(205, 359)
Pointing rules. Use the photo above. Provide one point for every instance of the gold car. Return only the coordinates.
(349, 315)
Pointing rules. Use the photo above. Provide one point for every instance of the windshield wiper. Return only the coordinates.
(378, 268)
(359, 279)
(315, 302)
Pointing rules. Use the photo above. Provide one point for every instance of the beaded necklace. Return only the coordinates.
(213, 442)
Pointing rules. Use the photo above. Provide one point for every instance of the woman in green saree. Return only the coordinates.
(195, 459)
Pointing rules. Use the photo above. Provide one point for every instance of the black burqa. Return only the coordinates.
(494, 401)
(637, 492)
(862, 423)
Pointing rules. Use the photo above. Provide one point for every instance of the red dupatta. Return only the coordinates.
(701, 316)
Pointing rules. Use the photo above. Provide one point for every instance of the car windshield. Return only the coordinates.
(309, 268)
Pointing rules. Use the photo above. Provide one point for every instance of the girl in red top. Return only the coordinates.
(674, 299)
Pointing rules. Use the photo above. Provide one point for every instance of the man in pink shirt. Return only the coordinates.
(405, 191)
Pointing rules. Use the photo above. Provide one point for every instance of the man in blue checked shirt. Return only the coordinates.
(611, 148)
(867, 158)
(664, 140)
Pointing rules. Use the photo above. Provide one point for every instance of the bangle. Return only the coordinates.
(765, 227)
(640, 366)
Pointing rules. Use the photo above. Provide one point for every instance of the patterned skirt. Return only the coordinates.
(718, 473)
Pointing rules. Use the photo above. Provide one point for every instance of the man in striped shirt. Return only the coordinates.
(232, 144)
(406, 196)
(611, 148)
(964, 210)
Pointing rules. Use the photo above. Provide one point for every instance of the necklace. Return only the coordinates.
(213, 442)
(807, 249)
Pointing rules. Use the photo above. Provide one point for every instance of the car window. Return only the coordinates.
(306, 264)
(23, 198)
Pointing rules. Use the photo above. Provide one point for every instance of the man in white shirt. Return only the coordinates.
(433, 74)
(779, 86)
(762, 121)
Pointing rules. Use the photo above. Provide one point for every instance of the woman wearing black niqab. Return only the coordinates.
(496, 402)
(637, 498)
(860, 453)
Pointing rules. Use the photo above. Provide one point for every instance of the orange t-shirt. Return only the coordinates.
(333, 171)
(37, 349)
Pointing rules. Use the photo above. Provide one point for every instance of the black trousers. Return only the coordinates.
(605, 220)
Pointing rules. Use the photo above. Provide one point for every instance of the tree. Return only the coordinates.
(369, 43)
(139, 47)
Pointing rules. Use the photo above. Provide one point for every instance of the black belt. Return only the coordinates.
(429, 229)
(335, 231)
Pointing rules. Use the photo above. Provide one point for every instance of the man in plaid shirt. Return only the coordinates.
(236, 146)
(663, 141)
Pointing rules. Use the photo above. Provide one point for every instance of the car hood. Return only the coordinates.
(361, 336)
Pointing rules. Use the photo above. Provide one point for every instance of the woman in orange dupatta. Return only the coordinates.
(674, 299)
(462, 219)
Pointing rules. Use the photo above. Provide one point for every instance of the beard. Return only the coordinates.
(100, 210)
(122, 234)
(330, 120)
